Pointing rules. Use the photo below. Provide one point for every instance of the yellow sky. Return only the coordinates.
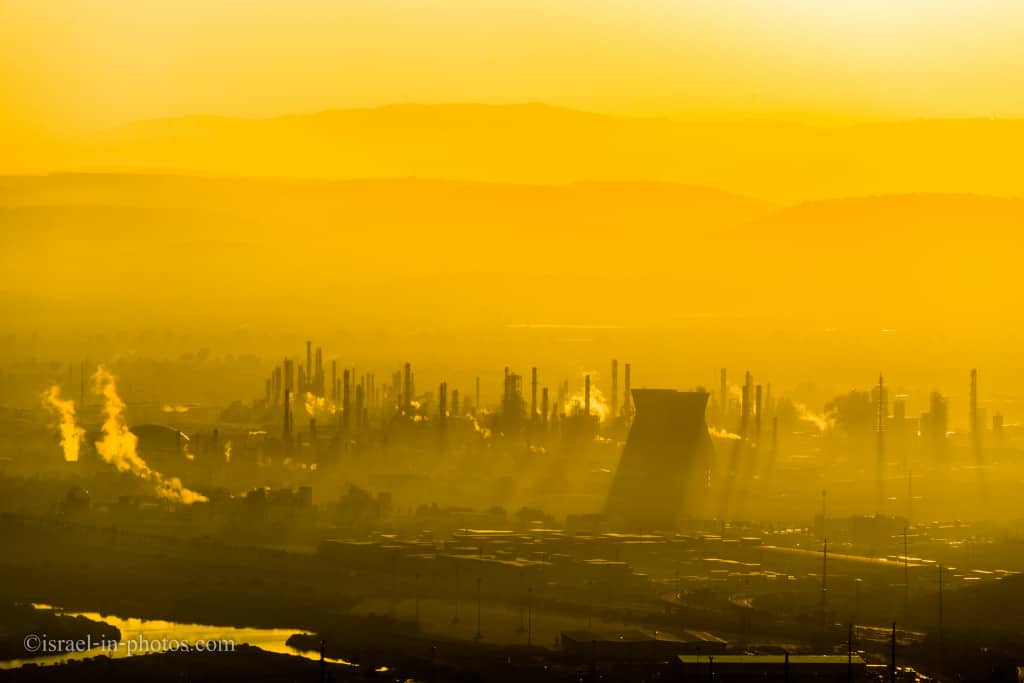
(67, 65)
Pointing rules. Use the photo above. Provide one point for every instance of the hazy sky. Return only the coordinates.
(73, 64)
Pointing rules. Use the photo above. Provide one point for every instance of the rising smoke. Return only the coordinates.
(119, 446)
(71, 434)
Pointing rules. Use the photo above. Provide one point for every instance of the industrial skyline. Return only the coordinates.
(477, 342)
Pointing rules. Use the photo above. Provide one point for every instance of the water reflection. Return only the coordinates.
(268, 639)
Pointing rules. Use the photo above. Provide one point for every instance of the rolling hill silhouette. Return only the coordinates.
(536, 143)
(921, 257)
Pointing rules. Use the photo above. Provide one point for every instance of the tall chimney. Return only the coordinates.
(745, 400)
(506, 393)
(586, 396)
(723, 395)
(360, 398)
(309, 366)
(544, 407)
(615, 388)
(748, 396)
(975, 427)
(346, 400)
(334, 381)
(627, 399)
(757, 415)
(407, 388)
(455, 403)
(318, 376)
(533, 394)
(287, 431)
(289, 375)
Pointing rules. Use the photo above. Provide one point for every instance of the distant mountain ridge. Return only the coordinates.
(537, 143)
(922, 254)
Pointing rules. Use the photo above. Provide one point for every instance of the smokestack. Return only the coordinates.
(407, 387)
(455, 403)
(627, 399)
(309, 365)
(975, 425)
(723, 395)
(615, 388)
(758, 406)
(318, 375)
(371, 397)
(505, 393)
(334, 381)
(287, 432)
(442, 415)
(544, 407)
(289, 375)
(346, 398)
(360, 397)
(533, 394)
(586, 396)
(748, 395)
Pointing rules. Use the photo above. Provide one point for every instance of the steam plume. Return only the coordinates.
(71, 434)
(119, 446)
(723, 434)
(822, 422)
(319, 404)
(598, 404)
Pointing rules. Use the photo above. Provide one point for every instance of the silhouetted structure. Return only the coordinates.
(665, 460)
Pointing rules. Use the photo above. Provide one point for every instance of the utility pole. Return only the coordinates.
(824, 588)
(529, 615)
(906, 574)
(940, 607)
(479, 635)
(849, 652)
(892, 656)
(456, 619)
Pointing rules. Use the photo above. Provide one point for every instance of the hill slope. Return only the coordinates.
(535, 143)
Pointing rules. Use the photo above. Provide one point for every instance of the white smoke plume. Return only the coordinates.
(319, 404)
(723, 434)
(598, 404)
(119, 446)
(71, 435)
(822, 422)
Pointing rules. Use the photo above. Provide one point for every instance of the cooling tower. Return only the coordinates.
(665, 464)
